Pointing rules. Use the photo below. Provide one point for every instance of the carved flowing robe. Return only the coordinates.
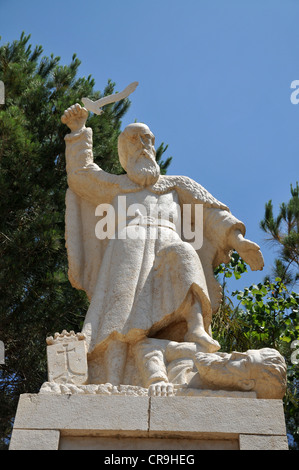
(139, 287)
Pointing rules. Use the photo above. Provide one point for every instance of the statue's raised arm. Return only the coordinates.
(85, 177)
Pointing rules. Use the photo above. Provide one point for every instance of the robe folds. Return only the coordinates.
(139, 284)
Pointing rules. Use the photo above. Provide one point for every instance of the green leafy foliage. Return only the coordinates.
(273, 313)
(266, 315)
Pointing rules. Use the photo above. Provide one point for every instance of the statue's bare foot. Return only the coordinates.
(160, 389)
(205, 342)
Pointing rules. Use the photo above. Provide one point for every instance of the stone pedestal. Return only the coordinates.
(89, 422)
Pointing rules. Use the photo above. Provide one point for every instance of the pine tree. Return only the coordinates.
(284, 233)
(36, 297)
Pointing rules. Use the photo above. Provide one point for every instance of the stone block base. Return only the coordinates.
(89, 422)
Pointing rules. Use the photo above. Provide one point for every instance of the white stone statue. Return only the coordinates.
(140, 287)
(151, 287)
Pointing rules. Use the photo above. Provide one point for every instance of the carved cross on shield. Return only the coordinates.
(67, 361)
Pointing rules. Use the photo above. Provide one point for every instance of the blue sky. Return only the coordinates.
(214, 84)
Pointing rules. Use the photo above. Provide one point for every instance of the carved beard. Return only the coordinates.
(208, 361)
(213, 369)
(142, 169)
(216, 371)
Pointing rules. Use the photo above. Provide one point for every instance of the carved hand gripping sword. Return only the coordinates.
(96, 106)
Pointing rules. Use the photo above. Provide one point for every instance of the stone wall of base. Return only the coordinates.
(88, 422)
